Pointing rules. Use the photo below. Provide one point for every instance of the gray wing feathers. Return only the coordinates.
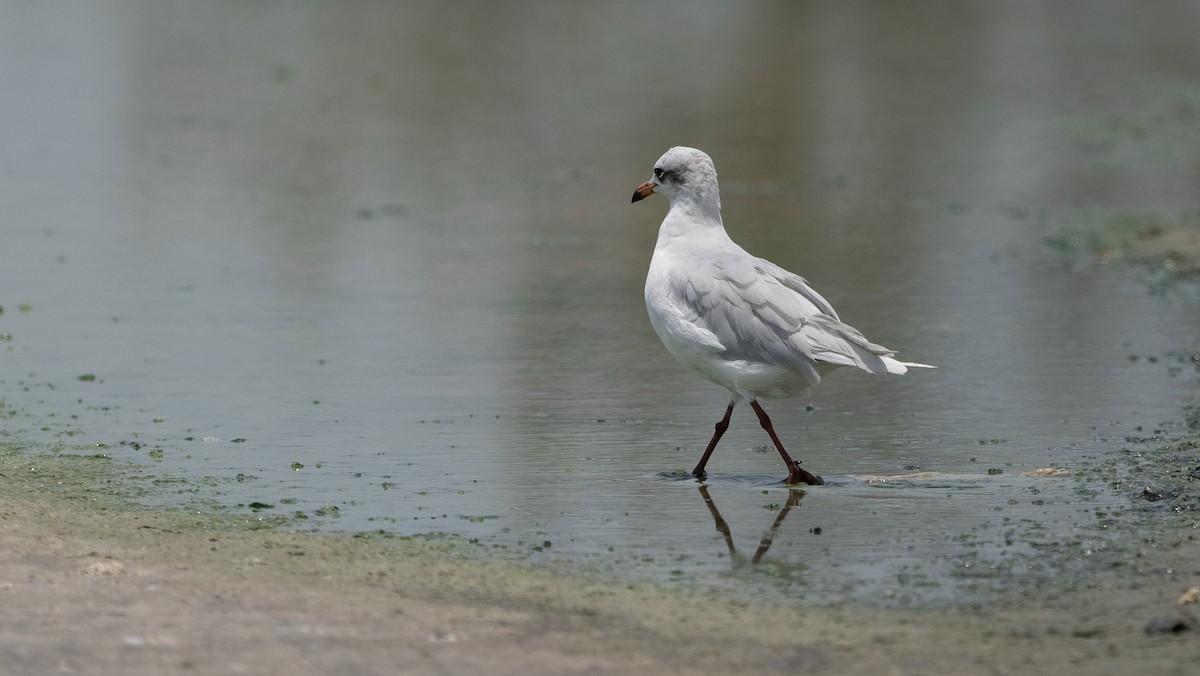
(761, 312)
(828, 339)
(798, 284)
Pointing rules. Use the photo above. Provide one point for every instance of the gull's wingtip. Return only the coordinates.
(897, 367)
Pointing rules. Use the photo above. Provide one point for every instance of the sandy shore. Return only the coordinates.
(92, 584)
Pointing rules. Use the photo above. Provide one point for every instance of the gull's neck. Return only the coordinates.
(693, 210)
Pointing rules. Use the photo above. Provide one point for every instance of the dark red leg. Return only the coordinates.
(796, 475)
(720, 429)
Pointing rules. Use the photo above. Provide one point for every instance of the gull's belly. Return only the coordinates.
(751, 379)
(748, 378)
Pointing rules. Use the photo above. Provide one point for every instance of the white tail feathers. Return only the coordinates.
(900, 367)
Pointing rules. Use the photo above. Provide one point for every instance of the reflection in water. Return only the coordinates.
(768, 537)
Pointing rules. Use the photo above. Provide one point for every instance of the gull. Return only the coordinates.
(740, 321)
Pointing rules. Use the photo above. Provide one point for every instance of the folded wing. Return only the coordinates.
(760, 312)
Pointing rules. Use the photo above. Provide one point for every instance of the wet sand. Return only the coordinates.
(91, 583)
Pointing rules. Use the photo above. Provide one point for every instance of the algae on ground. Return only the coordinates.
(1172, 245)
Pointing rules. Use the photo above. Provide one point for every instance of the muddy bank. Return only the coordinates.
(91, 583)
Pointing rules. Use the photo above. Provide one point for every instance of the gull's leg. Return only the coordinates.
(720, 429)
(796, 475)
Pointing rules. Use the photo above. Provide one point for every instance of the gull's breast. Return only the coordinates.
(698, 349)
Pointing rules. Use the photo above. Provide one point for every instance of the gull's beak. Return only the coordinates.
(643, 191)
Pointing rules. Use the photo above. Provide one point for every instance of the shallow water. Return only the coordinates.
(383, 259)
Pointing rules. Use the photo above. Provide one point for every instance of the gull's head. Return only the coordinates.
(683, 172)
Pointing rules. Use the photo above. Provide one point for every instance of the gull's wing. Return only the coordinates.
(760, 312)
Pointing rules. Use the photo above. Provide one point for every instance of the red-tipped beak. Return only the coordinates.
(643, 191)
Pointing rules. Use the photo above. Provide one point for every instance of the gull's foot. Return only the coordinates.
(798, 475)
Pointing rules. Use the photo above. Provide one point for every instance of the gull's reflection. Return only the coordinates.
(768, 537)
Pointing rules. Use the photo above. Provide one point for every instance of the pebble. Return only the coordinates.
(1168, 625)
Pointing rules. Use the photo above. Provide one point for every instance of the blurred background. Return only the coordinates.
(381, 257)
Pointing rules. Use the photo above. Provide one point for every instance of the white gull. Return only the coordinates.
(740, 321)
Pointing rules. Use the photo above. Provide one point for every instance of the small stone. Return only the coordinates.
(1151, 495)
(1167, 625)
(103, 568)
(1192, 595)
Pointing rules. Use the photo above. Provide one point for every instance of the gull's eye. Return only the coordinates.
(658, 173)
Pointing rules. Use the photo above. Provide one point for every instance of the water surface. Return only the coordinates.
(382, 258)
